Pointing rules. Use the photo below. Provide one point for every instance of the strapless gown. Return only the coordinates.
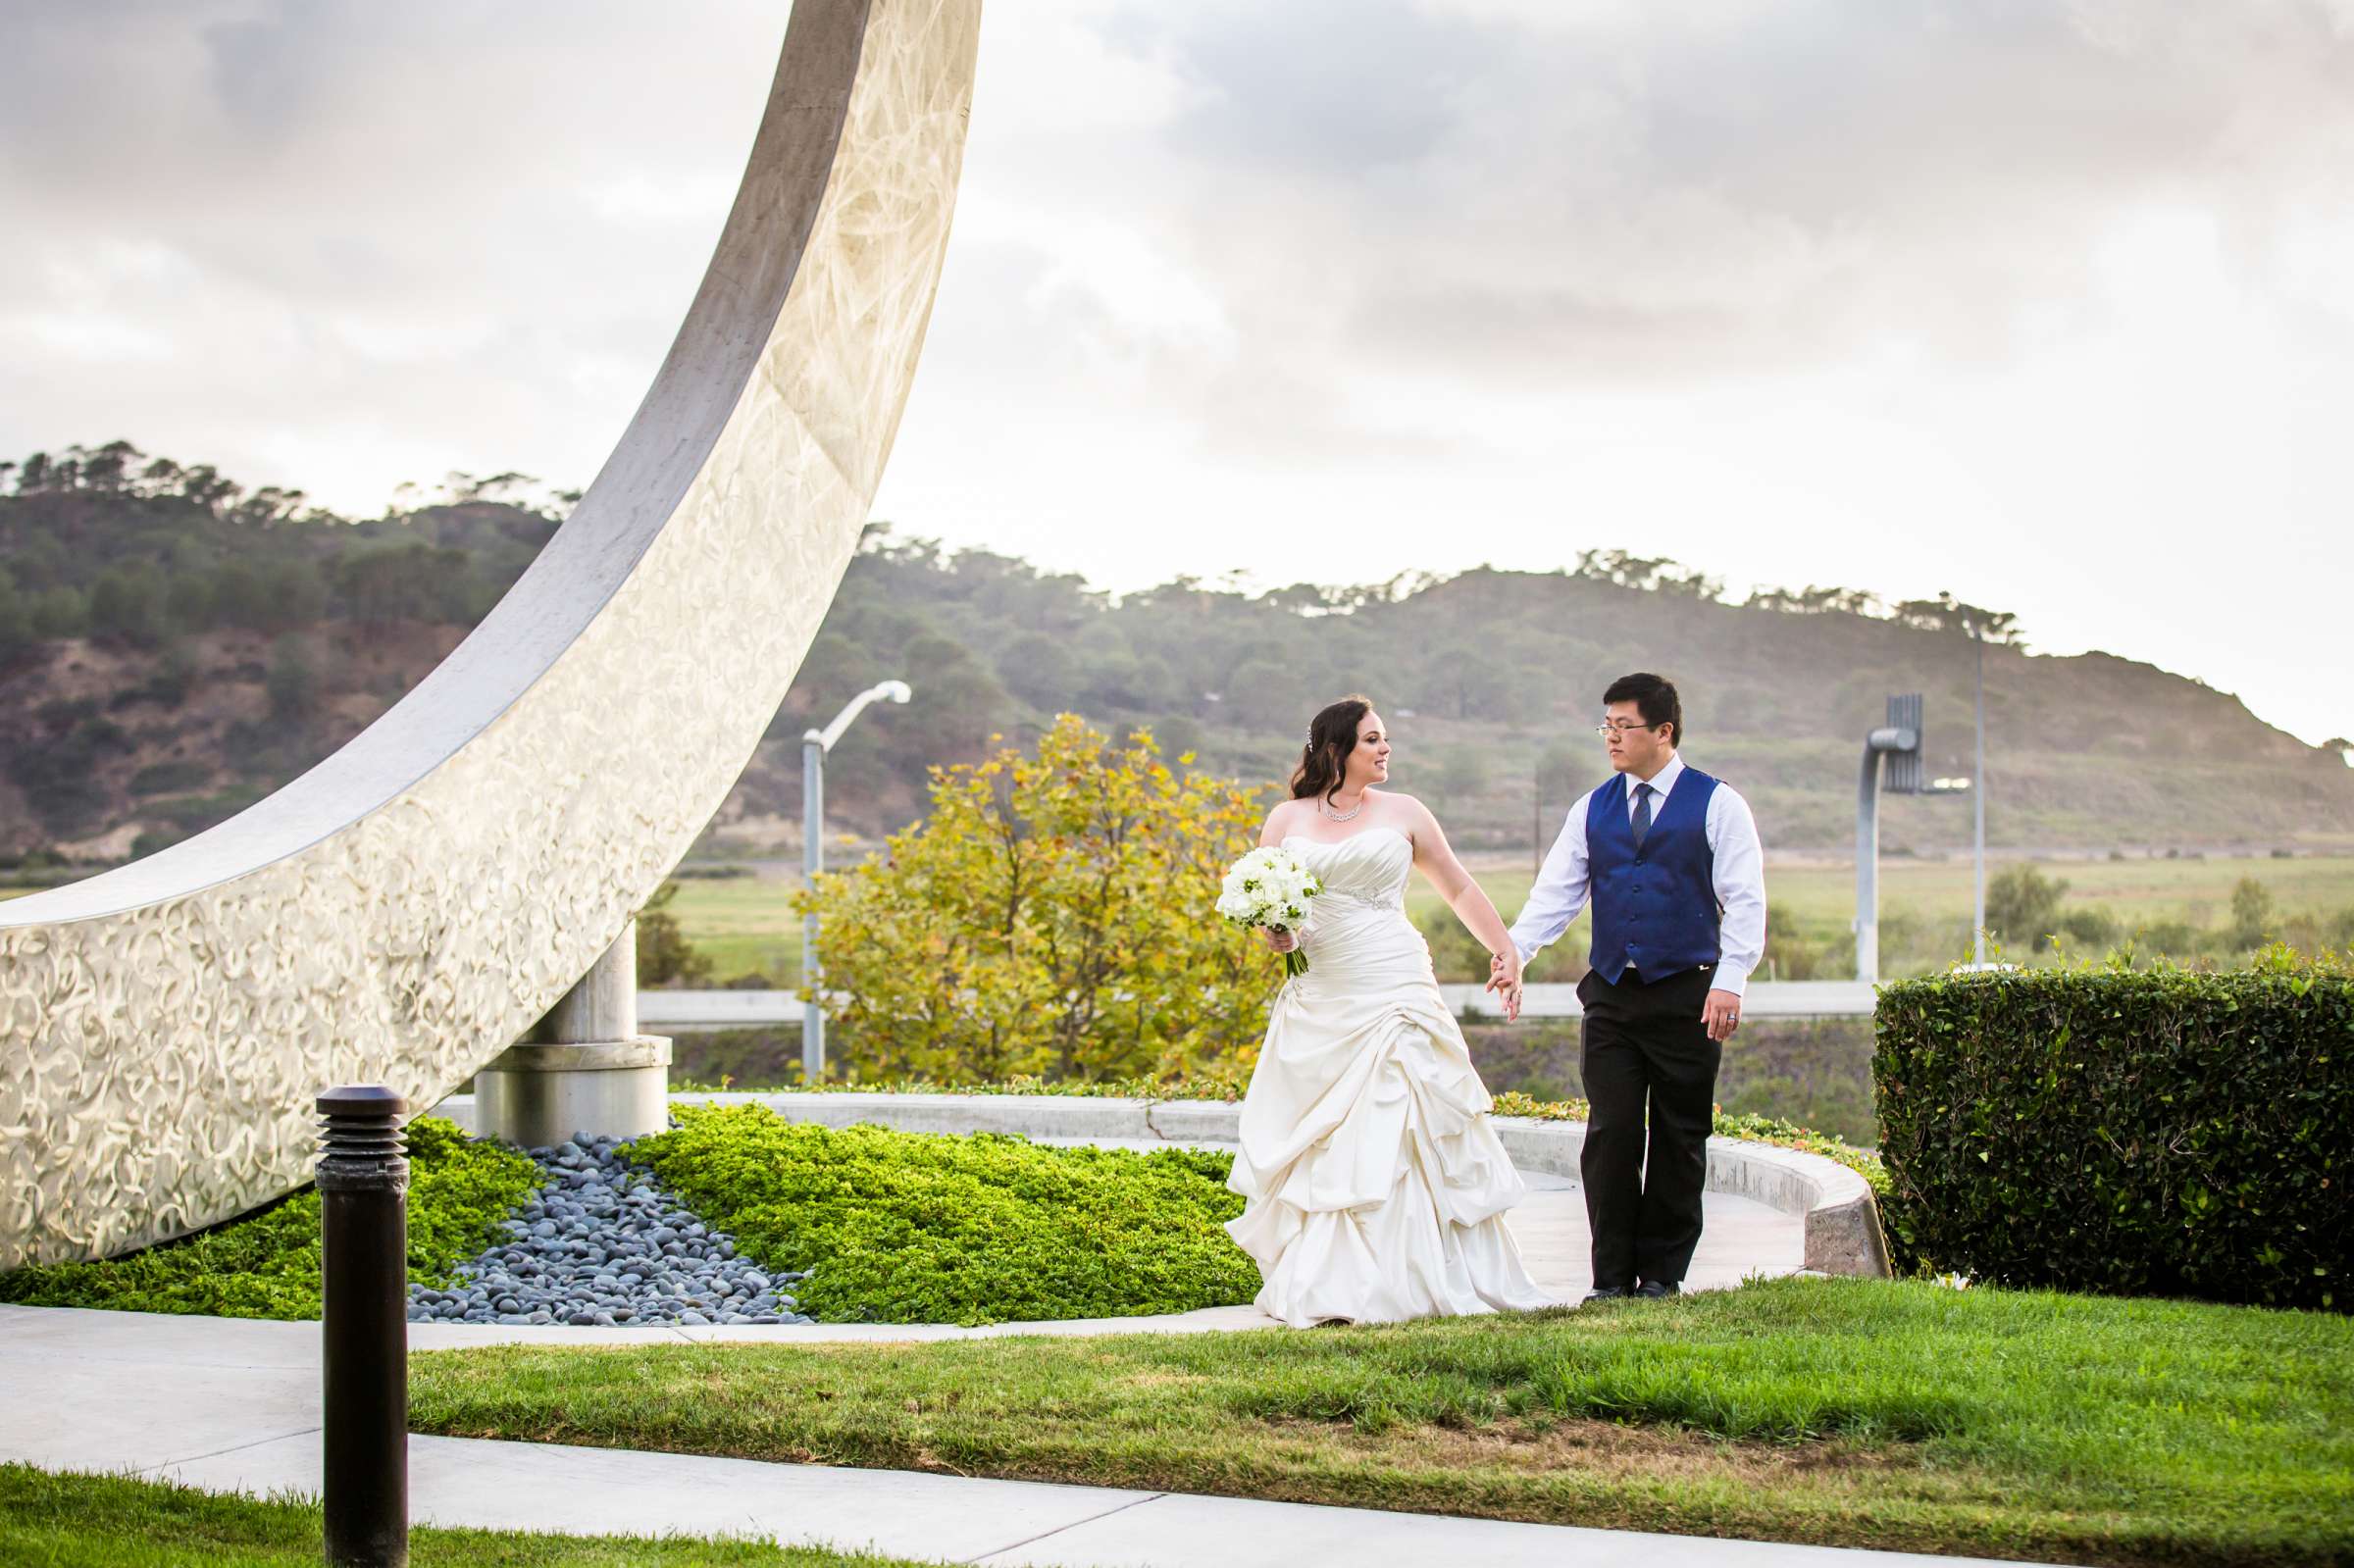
(1376, 1183)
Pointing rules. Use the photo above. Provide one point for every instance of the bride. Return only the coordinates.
(1375, 1182)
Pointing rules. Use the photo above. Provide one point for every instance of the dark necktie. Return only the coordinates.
(1643, 795)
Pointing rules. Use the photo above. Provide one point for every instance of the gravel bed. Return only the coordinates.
(602, 1245)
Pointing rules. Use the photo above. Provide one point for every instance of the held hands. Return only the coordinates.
(1721, 1014)
(1504, 978)
(1278, 939)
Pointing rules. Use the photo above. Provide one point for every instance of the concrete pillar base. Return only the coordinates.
(538, 1095)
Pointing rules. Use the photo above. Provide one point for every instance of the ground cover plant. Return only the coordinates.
(1229, 1084)
(980, 1228)
(266, 1265)
(1892, 1415)
(91, 1521)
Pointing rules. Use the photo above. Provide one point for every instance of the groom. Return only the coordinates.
(1669, 859)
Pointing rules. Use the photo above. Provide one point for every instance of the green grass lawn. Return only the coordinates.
(1848, 1412)
(69, 1521)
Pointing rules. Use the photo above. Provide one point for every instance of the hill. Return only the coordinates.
(171, 647)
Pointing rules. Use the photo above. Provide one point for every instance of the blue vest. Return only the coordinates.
(1654, 908)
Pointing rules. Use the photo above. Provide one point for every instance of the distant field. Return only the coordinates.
(1823, 898)
(745, 924)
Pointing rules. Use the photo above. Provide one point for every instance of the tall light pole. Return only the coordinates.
(1899, 741)
(1977, 789)
(815, 744)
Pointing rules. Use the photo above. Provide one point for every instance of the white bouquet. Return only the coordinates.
(1270, 887)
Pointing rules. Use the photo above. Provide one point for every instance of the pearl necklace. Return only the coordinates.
(1324, 806)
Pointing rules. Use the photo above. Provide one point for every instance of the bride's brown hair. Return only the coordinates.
(1331, 737)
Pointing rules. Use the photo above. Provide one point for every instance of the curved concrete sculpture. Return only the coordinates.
(406, 909)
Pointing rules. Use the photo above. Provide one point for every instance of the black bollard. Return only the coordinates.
(364, 1246)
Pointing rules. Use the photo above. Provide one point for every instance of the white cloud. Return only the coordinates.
(2048, 306)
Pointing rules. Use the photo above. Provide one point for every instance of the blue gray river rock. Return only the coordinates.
(603, 1243)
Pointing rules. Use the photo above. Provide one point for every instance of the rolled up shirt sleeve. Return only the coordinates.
(1561, 890)
(1740, 882)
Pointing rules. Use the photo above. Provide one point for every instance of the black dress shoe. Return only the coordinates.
(1607, 1292)
(1654, 1288)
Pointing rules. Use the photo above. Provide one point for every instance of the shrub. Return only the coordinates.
(2154, 1132)
(171, 778)
(2091, 927)
(665, 957)
(1053, 915)
(933, 1228)
(294, 680)
(2023, 906)
(266, 1265)
(2253, 915)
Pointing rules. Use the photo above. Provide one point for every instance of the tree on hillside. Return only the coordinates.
(1052, 916)
(1650, 574)
(1813, 600)
(1945, 613)
(132, 601)
(292, 681)
(16, 620)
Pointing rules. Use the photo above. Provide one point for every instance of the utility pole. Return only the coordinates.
(1536, 815)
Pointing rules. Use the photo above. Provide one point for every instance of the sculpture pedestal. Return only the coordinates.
(585, 1068)
(538, 1095)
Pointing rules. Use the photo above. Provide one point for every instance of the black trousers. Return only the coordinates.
(1650, 1069)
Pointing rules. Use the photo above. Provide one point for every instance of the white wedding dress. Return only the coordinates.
(1376, 1182)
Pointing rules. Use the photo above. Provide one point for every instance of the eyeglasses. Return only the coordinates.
(1618, 726)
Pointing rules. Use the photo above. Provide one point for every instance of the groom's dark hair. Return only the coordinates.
(1653, 696)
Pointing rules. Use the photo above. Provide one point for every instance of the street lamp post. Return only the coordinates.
(1977, 789)
(815, 744)
(1898, 742)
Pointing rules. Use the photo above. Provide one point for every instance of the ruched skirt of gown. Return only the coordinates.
(1376, 1181)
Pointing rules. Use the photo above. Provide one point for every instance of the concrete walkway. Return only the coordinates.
(231, 1404)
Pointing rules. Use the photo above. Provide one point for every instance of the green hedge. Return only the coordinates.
(2134, 1131)
(267, 1264)
(939, 1227)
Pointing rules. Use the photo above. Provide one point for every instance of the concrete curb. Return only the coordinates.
(1842, 1219)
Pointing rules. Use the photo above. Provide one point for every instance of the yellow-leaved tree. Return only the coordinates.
(1053, 916)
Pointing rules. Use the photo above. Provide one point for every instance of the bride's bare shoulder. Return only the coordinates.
(1405, 810)
(1281, 820)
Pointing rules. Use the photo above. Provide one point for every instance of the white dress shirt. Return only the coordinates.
(1564, 885)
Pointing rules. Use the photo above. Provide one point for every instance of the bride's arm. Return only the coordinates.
(1469, 900)
(1270, 836)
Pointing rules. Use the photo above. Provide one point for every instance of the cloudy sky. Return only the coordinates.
(2047, 304)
